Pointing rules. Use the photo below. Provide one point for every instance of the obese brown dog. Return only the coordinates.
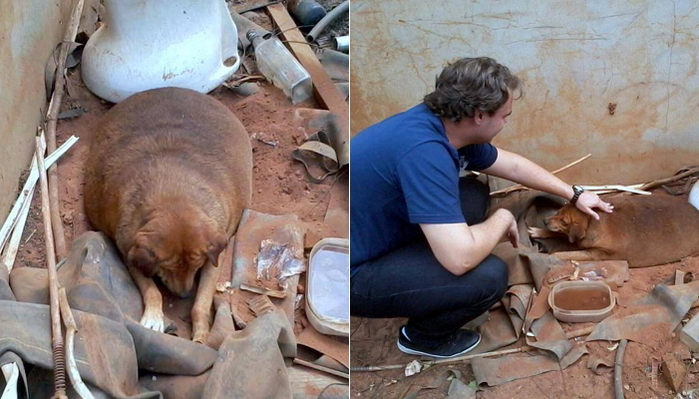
(644, 230)
(168, 177)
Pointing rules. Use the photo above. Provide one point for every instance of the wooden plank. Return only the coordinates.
(252, 5)
(323, 87)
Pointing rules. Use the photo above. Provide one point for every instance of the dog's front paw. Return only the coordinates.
(154, 319)
(200, 336)
(538, 232)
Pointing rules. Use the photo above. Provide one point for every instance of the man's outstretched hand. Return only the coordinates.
(589, 201)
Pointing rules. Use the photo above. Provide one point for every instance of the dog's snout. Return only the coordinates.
(550, 222)
(182, 286)
(185, 294)
(181, 290)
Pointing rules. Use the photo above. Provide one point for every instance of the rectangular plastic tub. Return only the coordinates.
(581, 301)
(327, 285)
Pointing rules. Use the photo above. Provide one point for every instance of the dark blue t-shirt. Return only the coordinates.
(404, 172)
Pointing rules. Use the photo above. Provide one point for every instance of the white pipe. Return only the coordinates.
(342, 43)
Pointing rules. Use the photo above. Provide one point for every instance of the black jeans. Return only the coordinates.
(410, 282)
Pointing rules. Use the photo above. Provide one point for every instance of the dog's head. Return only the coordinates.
(570, 221)
(175, 248)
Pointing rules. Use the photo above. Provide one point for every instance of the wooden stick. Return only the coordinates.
(660, 182)
(54, 109)
(443, 361)
(263, 291)
(14, 215)
(521, 187)
(13, 245)
(322, 368)
(56, 335)
(71, 329)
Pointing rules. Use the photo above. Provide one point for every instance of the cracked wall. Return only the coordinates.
(615, 79)
(29, 31)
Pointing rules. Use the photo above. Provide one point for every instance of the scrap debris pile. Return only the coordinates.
(71, 322)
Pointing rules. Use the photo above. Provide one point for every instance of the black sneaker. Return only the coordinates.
(462, 341)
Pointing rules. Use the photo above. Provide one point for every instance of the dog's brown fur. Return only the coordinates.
(168, 176)
(644, 230)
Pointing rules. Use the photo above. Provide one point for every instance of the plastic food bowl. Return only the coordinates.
(327, 285)
(581, 301)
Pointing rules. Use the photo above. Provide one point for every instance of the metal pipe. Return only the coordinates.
(327, 19)
(618, 364)
(336, 64)
(244, 25)
(342, 43)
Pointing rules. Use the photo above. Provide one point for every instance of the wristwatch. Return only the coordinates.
(577, 190)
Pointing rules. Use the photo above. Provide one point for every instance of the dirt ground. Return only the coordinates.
(374, 344)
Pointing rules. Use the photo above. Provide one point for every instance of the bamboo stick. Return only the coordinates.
(54, 109)
(521, 187)
(56, 335)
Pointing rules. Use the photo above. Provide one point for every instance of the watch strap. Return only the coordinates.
(577, 190)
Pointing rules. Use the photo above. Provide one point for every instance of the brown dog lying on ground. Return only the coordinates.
(644, 230)
(168, 177)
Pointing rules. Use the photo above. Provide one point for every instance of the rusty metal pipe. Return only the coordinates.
(327, 19)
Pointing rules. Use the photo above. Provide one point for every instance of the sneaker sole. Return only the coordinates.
(419, 353)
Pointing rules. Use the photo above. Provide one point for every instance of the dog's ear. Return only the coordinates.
(142, 257)
(577, 231)
(216, 245)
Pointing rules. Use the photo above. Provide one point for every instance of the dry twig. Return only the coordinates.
(54, 109)
(56, 335)
(444, 361)
(516, 187)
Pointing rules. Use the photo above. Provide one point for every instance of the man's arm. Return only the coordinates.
(520, 170)
(460, 247)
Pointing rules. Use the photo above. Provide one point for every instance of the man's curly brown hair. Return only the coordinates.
(472, 84)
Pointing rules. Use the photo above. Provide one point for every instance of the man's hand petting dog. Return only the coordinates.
(588, 201)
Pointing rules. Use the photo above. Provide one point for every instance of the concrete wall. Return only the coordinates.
(576, 58)
(29, 31)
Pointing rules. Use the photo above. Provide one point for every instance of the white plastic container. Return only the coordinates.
(327, 287)
(148, 44)
(694, 195)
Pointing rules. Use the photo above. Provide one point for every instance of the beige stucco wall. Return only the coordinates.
(575, 58)
(29, 31)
